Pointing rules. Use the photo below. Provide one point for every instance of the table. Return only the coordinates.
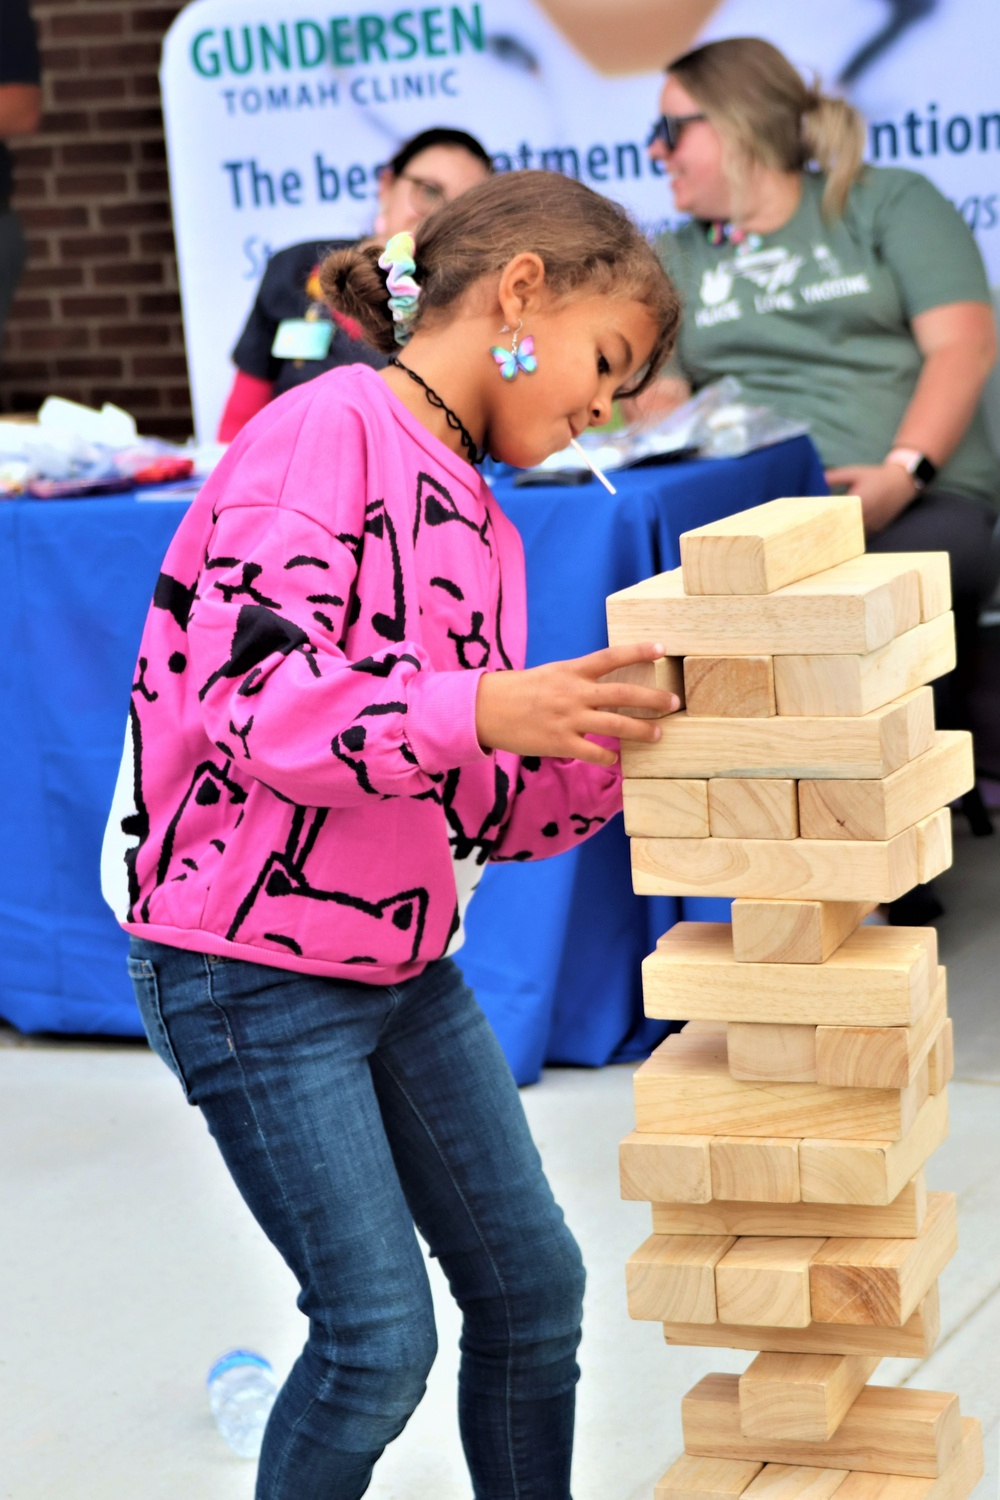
(553, 949)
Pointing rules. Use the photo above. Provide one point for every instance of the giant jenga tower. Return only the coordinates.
(781, 1136)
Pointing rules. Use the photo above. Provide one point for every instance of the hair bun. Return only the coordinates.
(352, 283)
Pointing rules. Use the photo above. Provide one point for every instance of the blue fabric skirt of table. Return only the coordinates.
(553, 949)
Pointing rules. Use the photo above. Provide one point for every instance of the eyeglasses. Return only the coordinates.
(668, 129)
(429, 195)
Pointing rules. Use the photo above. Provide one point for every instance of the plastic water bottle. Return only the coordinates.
(241, 1391)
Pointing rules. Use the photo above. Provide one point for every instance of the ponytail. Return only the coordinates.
(833, 136)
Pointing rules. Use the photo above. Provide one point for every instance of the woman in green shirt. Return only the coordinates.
(850, 297)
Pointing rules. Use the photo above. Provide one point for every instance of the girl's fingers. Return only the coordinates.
(618, 727)
(599, 663)
(596, 755)
(631, 695)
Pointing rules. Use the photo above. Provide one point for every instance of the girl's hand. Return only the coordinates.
(548, 710)
(885, 491)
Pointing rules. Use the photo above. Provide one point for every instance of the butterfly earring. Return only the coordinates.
(509, 361)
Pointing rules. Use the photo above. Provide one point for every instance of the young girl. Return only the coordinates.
(330, 734)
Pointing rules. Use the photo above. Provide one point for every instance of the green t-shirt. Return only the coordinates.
(814, 319)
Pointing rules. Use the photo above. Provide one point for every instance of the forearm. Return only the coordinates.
(944, 401)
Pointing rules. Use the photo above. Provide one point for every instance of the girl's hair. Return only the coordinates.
(587, 243)
(767, 116)
(440, 135)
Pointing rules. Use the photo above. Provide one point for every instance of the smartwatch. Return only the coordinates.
(916, 464)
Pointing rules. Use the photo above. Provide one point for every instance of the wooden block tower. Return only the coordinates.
(781, 1136)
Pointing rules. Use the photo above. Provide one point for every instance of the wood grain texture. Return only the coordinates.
(666, 674)
(705, 1479)
(872, 745)
(763, 1171)
(817, 685)
(659, 807)
(752, 808)
(790, 869)
(685, 1088)
(853, 608)
(730, 687)
(900, 1219)
(793, 932)
(883, 1281)
(761, 549)
(880, 976)
(915, 1341)
(869, 1171)
(941, 1058)
(934, 576)
(673, 1277)
(878, 1056)
(795, 1482)
(957, 1481)
(865, 809)
(671, 1168)
(801, 1396)
(934, 846)
(772, 1052)
(887, 1431)
(765, 1281)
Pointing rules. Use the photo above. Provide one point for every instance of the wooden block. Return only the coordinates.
(765, 1281)
(795, 1482)
(870, 1171)
(886, 1431)
(671, 1168)
(754, 808)
(877, 1056)
(771, 1052)
(817, 685)
(790, 869)
(851, 609)
(763, 1171)
(801, 1396)
(880, 809)
(729, 687)
(934, 575)
(764, 548)
(706, 1479)
(665, 674)
(957, 1481)
(883, 1281)
(915, 1341)
(934, 851)
(685, 1088)
(873, 745)
(941, 1058)
(664, 808)
(880, 976)
(900, 1219)
(672, 1272)
(793, 932)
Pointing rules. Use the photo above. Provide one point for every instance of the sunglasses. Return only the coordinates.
(668, 129)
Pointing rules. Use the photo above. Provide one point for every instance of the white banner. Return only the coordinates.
(279, 114)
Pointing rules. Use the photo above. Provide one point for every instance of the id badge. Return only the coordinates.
(303, 338)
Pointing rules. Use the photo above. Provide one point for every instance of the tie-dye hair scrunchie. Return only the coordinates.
(404, 293)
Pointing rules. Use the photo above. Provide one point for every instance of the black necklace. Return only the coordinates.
(456, 425)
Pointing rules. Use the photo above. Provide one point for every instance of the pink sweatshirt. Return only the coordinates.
(302, 785)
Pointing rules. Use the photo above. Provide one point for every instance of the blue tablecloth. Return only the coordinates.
(553, 949)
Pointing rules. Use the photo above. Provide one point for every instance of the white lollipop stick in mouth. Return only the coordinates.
(593, 467)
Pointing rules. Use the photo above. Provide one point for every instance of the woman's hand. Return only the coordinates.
(885, 491)
(548, 710)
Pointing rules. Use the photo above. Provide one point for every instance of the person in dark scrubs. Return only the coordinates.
(291, 335)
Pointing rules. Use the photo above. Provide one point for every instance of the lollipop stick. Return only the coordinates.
(593, 467)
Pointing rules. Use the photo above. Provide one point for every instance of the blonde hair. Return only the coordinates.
(769, 117)
(587, 243)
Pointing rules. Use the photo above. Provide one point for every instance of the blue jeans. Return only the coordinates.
(348, 1113)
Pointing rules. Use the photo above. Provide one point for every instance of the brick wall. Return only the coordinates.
(97, 315)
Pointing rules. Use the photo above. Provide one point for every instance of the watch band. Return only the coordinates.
(916, 464)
